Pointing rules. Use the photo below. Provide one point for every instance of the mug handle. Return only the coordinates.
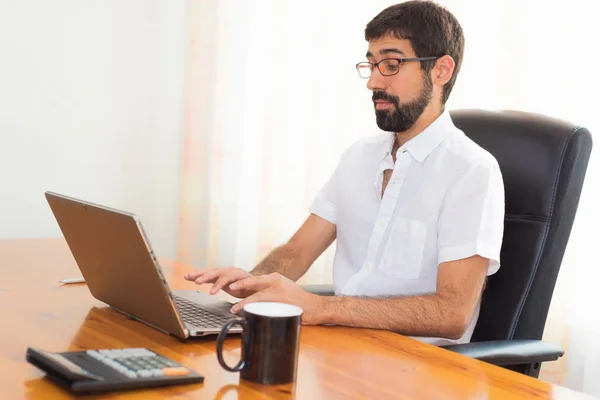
(240, 365)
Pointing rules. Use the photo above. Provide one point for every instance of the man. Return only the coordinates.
(417, 212)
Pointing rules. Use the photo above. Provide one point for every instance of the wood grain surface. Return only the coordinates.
(334, 362)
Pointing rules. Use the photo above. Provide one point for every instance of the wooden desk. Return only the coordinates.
(335, 362)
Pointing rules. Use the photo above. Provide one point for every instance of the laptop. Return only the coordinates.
(120, 268)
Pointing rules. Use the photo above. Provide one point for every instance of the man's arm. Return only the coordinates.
(446, 313)
(291, 260)
(294, 258)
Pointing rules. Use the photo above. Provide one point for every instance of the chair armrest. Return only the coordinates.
(322, 290)
(509, 352)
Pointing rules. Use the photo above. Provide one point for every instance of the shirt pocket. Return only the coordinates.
(403, 254)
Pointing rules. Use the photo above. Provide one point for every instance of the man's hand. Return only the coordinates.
(221, 278)
(276, 287)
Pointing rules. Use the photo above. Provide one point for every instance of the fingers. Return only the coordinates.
(218, 285)
(256, 297)
(253, 283)
(220, 277)
(209, 276)
(192, 276)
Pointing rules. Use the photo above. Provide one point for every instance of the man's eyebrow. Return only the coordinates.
(386, 51)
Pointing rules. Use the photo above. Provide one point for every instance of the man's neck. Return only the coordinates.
(426, 119)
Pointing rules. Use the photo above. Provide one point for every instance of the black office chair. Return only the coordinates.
(543, 162)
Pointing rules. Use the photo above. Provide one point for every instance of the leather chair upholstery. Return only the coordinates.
(543, 162)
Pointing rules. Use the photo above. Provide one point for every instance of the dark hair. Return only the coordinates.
(431, 29)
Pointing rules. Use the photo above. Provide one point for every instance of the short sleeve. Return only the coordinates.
(471, 221)
(325, 203)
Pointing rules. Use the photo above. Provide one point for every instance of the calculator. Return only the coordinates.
(95, 371)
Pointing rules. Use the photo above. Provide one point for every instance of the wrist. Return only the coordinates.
(322, 309)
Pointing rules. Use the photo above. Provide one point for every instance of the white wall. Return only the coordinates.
(92, 105)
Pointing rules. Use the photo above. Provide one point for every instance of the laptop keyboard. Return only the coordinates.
(192, 314)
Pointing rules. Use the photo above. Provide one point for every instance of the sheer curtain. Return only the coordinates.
(273, 99)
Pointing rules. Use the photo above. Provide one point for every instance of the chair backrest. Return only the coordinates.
(543, 162)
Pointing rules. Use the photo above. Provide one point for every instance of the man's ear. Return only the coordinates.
(443, 70)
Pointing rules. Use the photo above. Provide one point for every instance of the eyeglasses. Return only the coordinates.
(387, 66)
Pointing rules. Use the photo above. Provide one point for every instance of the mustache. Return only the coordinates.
(378, 95)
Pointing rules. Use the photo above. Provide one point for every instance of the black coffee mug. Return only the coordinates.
(270, 339)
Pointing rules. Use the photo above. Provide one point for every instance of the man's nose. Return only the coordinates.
(376, 80)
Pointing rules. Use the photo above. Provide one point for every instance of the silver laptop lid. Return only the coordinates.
(117, 261)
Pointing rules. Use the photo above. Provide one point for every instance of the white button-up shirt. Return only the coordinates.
(444, 202)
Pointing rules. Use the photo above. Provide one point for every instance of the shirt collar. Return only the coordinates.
(425, 142)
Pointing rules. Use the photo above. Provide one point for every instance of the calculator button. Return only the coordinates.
(131, 374)
(168, 363)
(151, 363)
(113, 364)
(145, 373)
(141, 352)
(121, 353)
(176, 371)
(121, 368)
(157, 372)
(113, 354)
(127, 363)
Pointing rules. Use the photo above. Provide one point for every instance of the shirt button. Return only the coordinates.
(368, 266)
(381, 223)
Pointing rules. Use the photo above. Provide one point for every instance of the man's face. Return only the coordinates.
(399, 99)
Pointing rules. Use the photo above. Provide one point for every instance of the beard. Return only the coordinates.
(403, 116)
